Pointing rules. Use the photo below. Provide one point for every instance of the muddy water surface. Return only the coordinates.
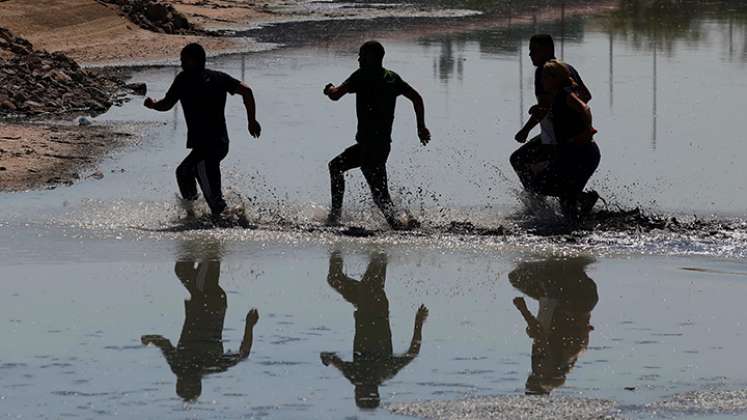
(89, 275)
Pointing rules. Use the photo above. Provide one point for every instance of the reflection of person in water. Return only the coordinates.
(373, 357)
(200, 348)
(560, 330)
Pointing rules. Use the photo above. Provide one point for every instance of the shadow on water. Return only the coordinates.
(199, 351)
(374, 360)
(560, 329)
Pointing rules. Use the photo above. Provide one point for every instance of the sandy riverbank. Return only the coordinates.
(96, 34)
(36, 156)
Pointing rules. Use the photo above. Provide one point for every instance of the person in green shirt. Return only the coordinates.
(376, 90)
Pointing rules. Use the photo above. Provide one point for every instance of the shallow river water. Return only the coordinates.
(93, 272)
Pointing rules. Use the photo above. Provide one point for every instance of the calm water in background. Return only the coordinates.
(81, 287)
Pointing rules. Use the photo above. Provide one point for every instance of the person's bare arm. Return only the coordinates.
(583, 93)
(534, 329)
(246, 343)
(333, 359)
(162, 105)
(537, 113)
(336, 278)
(336, 92)
(582, 108)
(399, 362)
(251, 109)
(419, 106)
(417, 333)
(163, 344)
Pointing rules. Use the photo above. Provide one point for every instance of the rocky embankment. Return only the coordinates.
(35, 82)
(38, 84)
(156, 16)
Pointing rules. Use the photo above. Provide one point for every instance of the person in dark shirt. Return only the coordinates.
(532, 160)
(202, 93)
(200, 349)
(560, 330)
(374, 360)
(376, 90)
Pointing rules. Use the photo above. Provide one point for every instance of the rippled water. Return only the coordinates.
(90, 269)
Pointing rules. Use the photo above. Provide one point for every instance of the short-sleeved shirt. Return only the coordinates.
(376, 96)
(203, 98)
(548, 134)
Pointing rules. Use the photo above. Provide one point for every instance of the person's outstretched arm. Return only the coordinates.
(170, 99)
(162, 105)
(251, 109)
(582, 108)
(534, 329)
(399, 362)
(336, 92)
(329, 358)
(417, 102)
(417, 333)
(246, 343)
(167, 349)
(230, 360)
(336, 278)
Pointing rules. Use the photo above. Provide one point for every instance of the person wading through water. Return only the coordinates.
(202, 93)
(376, 90)
(532, 160)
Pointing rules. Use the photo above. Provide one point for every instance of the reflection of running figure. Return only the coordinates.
(373, 357)
(200, 348)
(560, 330)
(376, 90)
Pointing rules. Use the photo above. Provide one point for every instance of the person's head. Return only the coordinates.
(371, 55)
(189, 387)
(541, 49)
(193, 58)
(367, 396)
(555, 76)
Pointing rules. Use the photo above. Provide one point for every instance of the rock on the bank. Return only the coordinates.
(34, 82)
(156, 16)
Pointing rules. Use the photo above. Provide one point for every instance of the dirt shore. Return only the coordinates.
(96, 34)
(34, 156)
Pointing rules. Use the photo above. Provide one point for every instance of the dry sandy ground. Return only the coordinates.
(92, 33)
(42, 155)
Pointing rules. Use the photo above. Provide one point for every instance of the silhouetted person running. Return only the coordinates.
(560, 330)
(200, 349)
(532, 159)
(202, 93)
(374, 360)
(577, 156)
(376, 90)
